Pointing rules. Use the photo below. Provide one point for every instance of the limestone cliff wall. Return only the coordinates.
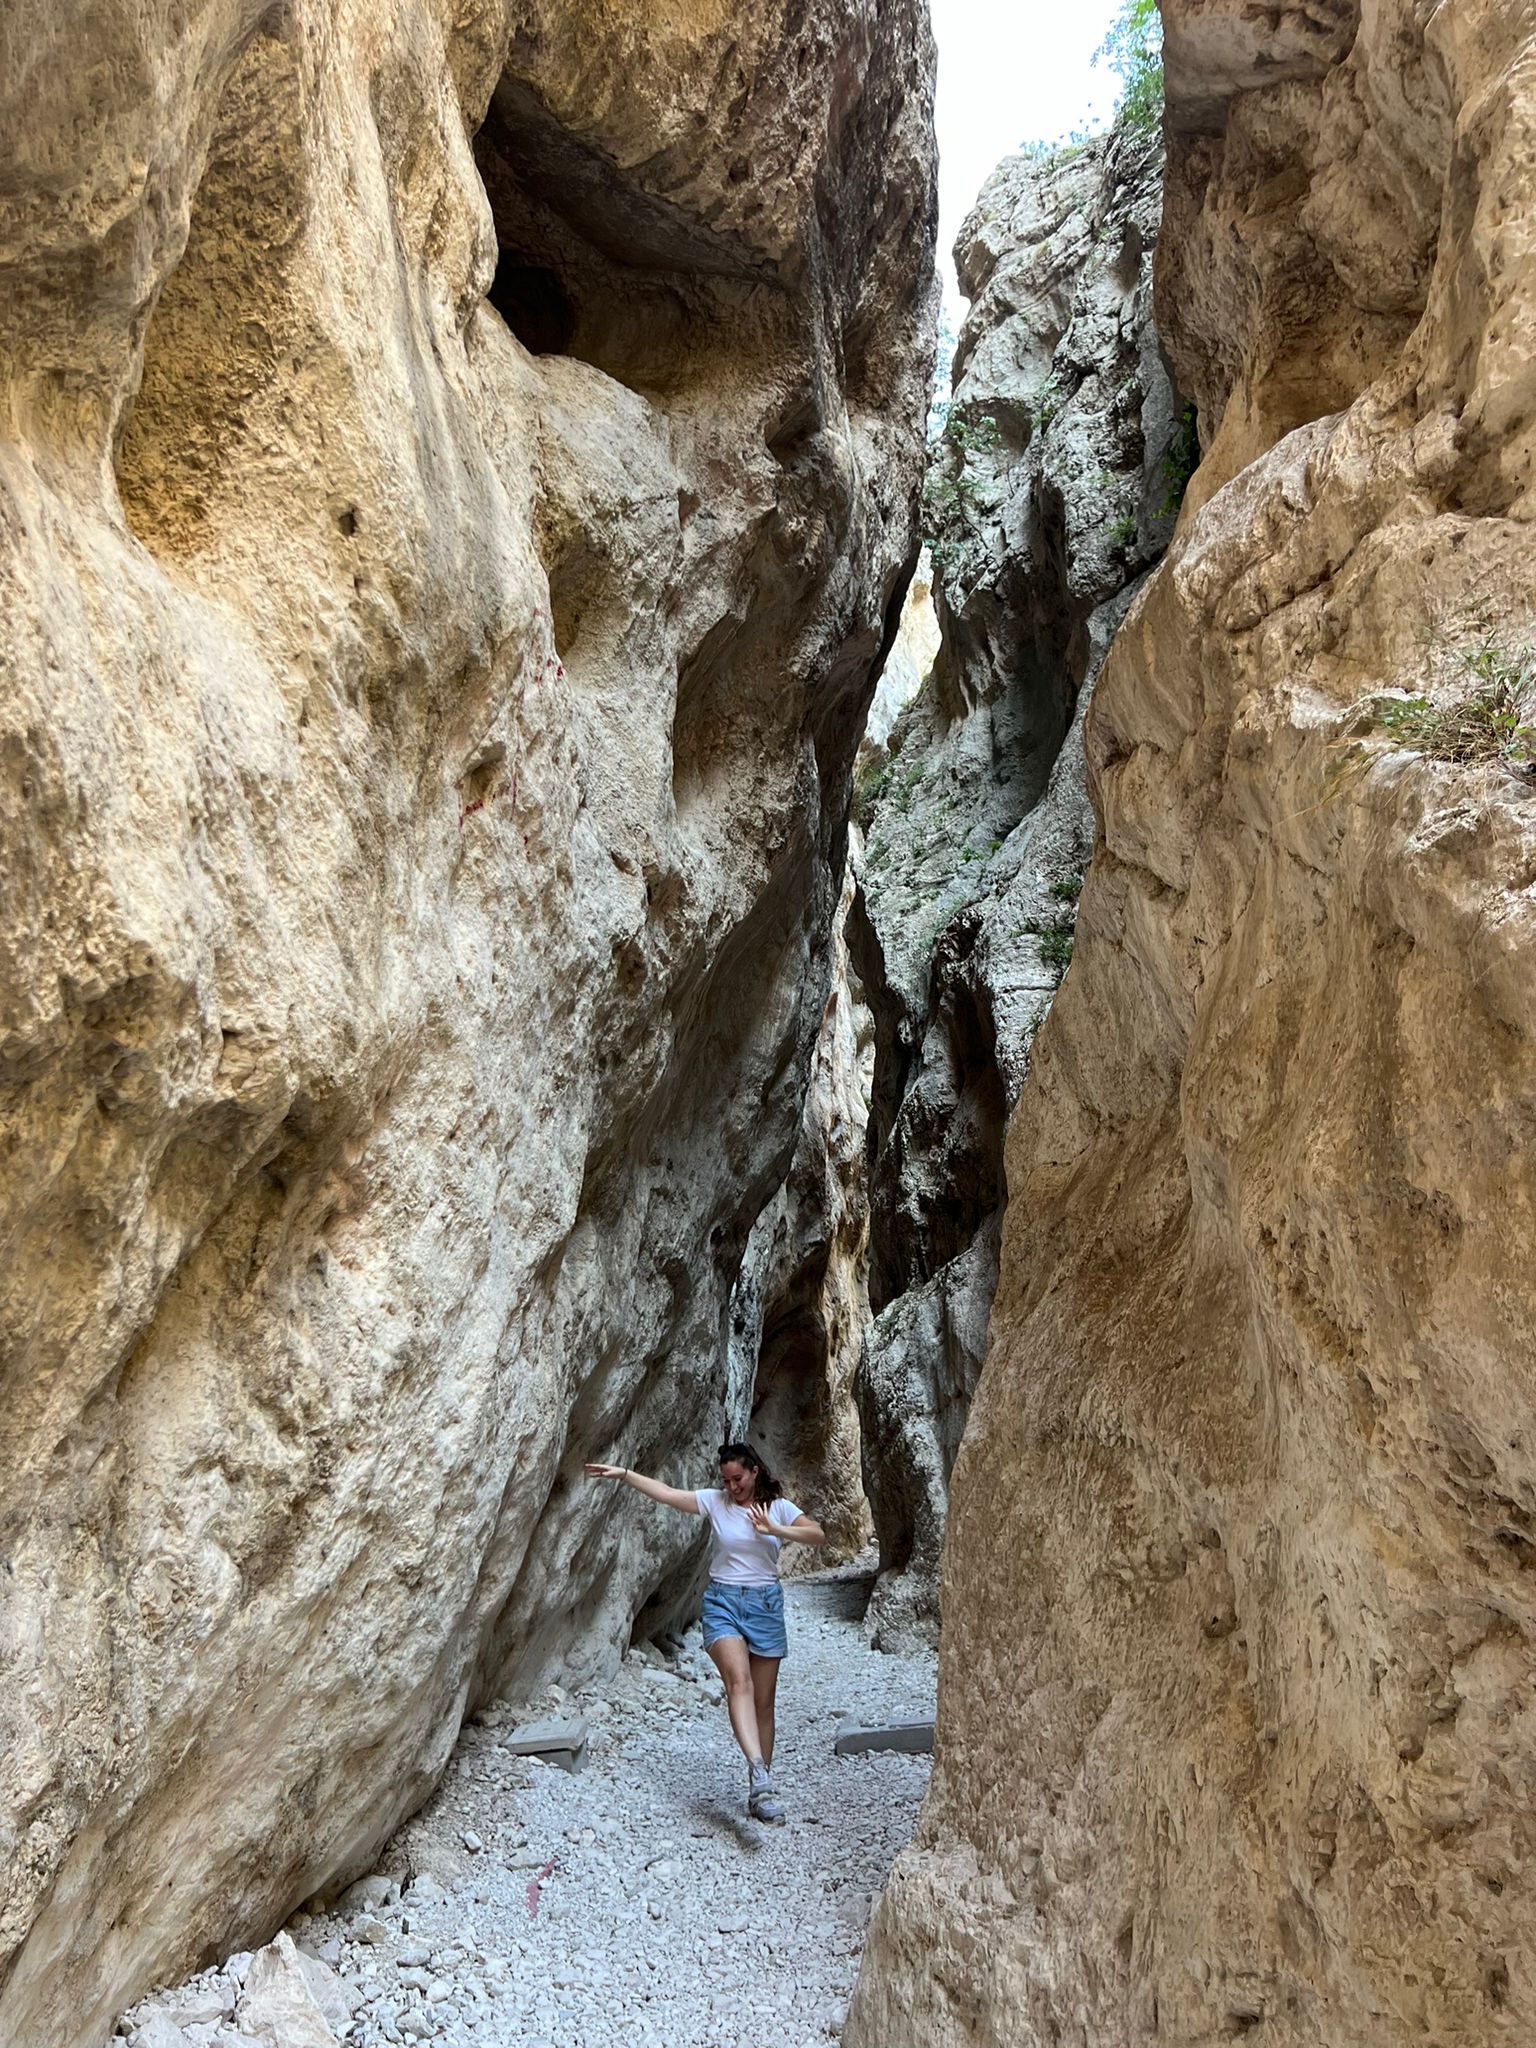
(456, 470)
(1047, 499)
(1240, 1632)
(801, 1303)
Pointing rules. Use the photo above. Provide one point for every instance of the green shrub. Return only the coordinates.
(943, 369)
(943, 495)
(1133, 50)
(943, 554)
(1061, 151)
(926, 936)
(1121, 532)
(1067, 890)
(979, 436)
(1056, 937)
(901, 795)
(871, 785)
(949, 491)
(1180, 460)
(1046, 403)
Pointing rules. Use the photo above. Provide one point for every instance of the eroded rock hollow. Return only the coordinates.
(1237, 1666)
(457, 472)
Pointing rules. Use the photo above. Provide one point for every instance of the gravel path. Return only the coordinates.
(662, 1915)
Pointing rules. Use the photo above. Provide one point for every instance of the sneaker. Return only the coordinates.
(761, 1803)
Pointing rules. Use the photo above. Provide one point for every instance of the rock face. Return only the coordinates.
(426, 734)
(801, 1303)
(1049, 497)
(907, 666)
(1251, 1472)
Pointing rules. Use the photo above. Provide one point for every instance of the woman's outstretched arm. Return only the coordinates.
(686, 1503)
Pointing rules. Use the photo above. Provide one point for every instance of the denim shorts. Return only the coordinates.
(755, 1613)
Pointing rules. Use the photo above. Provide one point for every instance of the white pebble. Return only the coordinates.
(661, 1891)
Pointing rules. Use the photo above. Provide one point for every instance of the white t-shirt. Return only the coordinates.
(741, 1557)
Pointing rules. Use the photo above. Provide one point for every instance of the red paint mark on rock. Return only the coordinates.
(536, 1883)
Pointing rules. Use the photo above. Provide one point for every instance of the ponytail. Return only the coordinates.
(765, 1487)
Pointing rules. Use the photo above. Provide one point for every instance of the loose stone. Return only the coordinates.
(659, 1883)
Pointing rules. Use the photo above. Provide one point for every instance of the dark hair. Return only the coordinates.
(764, 1486)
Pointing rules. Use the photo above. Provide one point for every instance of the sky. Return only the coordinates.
(1010, 71)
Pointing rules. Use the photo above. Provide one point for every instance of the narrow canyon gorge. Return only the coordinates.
(593, 868)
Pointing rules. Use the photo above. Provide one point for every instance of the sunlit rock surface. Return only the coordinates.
(907, 665)
(1048, 498)
(1235, 1709)
(424, 746)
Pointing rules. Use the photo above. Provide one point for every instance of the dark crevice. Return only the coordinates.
(533, 302)
(593, 265)
(789, 1399)
(965, 1119)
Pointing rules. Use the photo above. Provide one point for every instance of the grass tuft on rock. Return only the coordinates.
(871, 784)
(1491, 723)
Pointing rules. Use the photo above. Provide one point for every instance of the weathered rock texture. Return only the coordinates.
(907, 666)
(1240, 1629)
(801, 1303)
(424, 743)
(1049, 498)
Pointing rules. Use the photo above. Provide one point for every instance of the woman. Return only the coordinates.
(749, 1519)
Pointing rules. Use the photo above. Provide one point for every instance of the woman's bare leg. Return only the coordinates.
(729, 1655)
(765, 1685)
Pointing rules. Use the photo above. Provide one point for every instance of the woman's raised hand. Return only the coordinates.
(762, 1521)
(607, 1471)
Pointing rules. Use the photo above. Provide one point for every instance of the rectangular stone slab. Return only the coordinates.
(914, 1737)
(846, 1598)
(554, 1742)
